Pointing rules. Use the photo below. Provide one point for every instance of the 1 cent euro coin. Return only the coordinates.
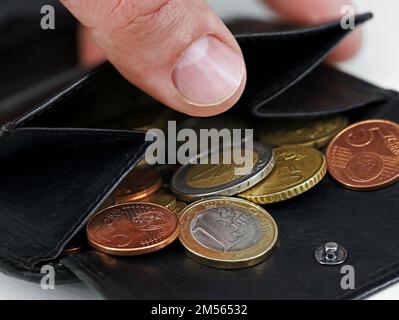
(297, 170)
(132, 229)
(365, 156)
(227, 233)
(197, 181)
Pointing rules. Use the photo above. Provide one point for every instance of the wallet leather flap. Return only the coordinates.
(278, 61)
(324, 91)
(52, 181)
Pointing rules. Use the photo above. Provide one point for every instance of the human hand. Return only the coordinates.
(179, 51)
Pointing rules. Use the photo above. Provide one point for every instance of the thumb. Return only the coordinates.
(178, 51)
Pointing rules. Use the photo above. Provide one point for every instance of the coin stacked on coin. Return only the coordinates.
(197, 181)
(216, 209)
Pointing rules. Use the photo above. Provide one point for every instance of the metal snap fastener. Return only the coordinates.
(331, 254)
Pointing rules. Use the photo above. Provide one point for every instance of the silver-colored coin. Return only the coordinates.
(198, 181)
(226, 229)
(227, 232)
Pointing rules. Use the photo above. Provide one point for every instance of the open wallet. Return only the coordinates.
(60, 161)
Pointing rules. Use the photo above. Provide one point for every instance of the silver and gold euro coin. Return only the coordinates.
(227, 233)
(198, 180)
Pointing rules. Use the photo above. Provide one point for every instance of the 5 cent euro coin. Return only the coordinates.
(365, 156)
(227, 233)
(132, 229)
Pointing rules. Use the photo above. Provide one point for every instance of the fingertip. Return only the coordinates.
(208, 73)
(215, 109)
(313, 12)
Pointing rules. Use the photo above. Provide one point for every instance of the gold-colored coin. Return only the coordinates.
(309, 132)
(180, 206)
(162, 198)
(297, 170)
(227, 233)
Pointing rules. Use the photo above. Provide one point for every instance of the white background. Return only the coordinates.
(378, 62)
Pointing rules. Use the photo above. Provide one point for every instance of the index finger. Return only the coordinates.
(309, 12)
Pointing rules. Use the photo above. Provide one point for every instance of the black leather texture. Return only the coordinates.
(60, 161)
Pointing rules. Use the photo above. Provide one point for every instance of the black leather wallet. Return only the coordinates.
(58, 167)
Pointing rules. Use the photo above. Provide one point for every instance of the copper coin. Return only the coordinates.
(77, 244)
(138, 184)
(365, 156)
(132, 229)
(71, 250)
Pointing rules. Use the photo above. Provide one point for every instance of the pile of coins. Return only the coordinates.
(217, 214)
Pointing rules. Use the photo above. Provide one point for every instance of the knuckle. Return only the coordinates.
(143, 17)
